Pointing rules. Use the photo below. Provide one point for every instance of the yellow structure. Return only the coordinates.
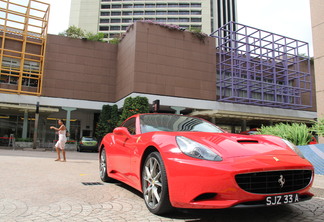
(23, 33)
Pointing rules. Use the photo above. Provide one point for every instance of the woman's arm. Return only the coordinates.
(62, 127)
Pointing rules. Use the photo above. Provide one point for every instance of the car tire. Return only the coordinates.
(155, 185)
(103, 167)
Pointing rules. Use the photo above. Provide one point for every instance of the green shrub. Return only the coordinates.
(133, 106)
(297, 133)
(198, 34)
(114, 41)
(318, 127)
(108, 120)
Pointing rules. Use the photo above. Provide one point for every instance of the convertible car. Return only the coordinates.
(179, 161)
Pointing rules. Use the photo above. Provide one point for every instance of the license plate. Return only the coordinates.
(282, 199)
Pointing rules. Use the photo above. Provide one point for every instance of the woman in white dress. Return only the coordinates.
(60, 145)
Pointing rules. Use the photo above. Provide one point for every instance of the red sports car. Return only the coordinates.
(185, 162)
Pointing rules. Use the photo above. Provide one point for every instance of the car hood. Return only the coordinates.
(236, 145)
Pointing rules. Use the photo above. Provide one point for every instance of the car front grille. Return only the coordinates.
(272, 182)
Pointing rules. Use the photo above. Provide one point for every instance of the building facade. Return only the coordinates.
(113, 17)
(317, 7)
(182, 70)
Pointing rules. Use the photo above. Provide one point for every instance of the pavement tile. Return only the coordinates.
(36, 188)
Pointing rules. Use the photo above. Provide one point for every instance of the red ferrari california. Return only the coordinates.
(185, 162)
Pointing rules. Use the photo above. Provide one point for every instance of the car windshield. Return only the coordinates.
(175, 123)
(88, 139)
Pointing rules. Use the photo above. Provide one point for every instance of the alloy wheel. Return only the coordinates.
(152, 187)
(103, 166)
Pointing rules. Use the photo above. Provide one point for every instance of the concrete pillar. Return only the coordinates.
(177, 109)
(43, 129)
(243, 128)
(25, 125)
(233, 129)
(68, 117)
(213, 120)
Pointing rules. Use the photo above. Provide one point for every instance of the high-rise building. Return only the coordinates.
(112, 17)
(317, 7)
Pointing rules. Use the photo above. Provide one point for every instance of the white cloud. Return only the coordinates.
(290, 18)
(59, 15)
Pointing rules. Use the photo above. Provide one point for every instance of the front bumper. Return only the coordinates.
(205, 184)
(87, 147)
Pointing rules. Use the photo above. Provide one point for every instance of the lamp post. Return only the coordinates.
(36, 125)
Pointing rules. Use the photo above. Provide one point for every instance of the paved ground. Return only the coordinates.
(33, 187)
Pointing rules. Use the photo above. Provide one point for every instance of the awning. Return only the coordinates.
(14, 108)
(250, 116)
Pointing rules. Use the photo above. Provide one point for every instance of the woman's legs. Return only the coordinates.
(58, 154)
(63, 152)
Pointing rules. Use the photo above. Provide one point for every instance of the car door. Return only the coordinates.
(123, 149)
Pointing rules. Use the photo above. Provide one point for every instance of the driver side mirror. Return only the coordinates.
(121, 131)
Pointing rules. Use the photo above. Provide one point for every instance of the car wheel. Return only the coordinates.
(103, 167)
(155, 185)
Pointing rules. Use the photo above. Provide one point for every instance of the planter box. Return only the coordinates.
(24, 144)
(71, 146)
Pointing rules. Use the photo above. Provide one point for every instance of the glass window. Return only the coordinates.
(124, 27)
(105, 6)
(173, 5)
(149, 12)
(115, 20)
(183, 12)
(104, 20)
(184, 19)
(105, 13)
(175, 123)
(127, 6)
(127, 13)
(173, 19)
(184, 5)
(196, 27)
(149, 5)
(115, 6)
(115, 13)
(161, 5)
(173, 12)
(161, 12)
(195, 4)
(103, 28)
(114, 27)
(127, 20)
(161, 19)
(196, 12)
(84, 138)
(131, 125)
(138, 13)
(138, 5)
(106, 0)
(195, 19)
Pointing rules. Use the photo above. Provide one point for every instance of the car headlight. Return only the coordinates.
(196, 150)
(294, 148)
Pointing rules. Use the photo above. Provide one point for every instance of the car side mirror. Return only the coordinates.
(121, 131)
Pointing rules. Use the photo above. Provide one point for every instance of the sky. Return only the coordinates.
(290, 18)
